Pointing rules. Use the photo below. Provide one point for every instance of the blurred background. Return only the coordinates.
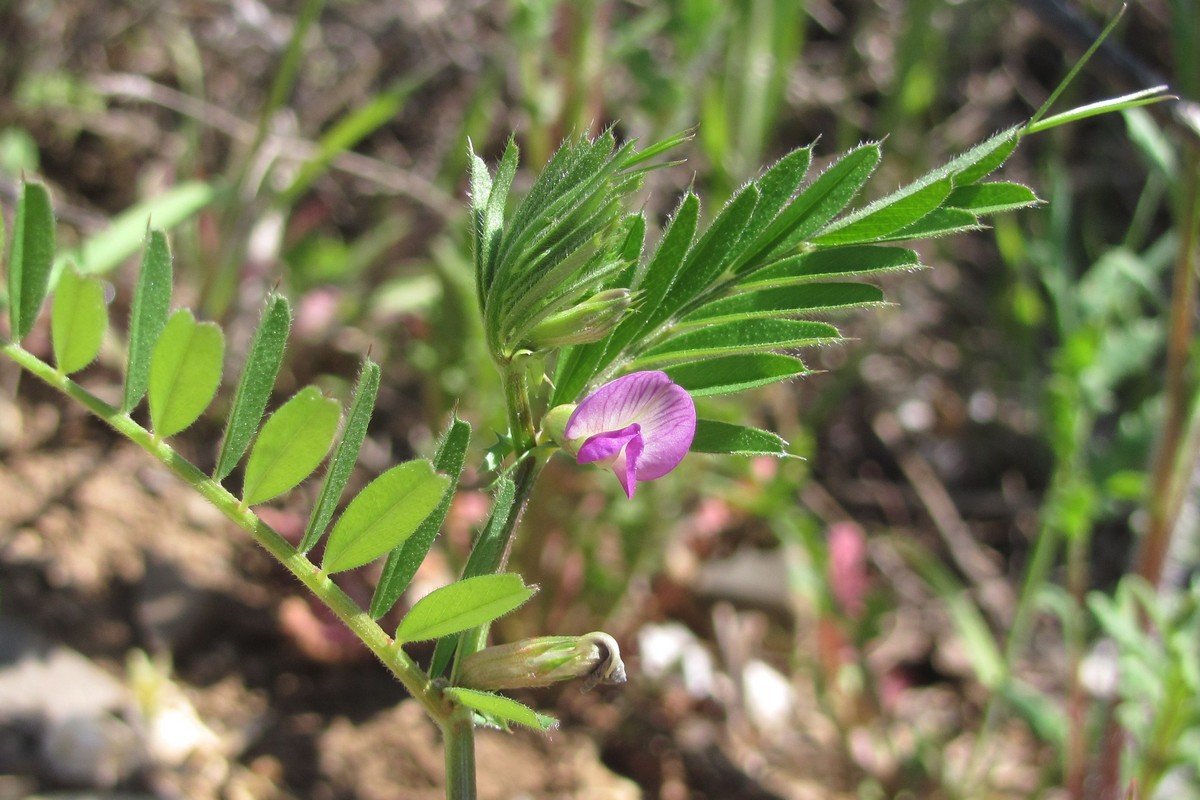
(902, 611)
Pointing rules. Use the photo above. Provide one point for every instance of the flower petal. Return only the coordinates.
(641, 425)
(607, 445)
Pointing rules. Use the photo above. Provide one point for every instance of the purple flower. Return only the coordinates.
(640, 426)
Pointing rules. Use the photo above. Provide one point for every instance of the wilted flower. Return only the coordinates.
(640, 426)
(595, 657)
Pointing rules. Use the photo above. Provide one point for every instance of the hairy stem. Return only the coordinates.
(316, 581)
(458, 735)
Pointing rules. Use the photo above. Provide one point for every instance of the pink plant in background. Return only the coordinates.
(848, 567)
(640, 426)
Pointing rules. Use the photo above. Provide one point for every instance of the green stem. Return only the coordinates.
(459, 743)
(516, 396)
(316, 581)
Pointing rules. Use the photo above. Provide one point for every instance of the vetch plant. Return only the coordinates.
(603, 347)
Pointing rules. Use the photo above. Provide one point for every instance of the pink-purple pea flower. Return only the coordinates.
(640, 426)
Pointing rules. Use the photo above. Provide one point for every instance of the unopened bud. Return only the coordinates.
(589, 321)
(554, 426)
(544, 660)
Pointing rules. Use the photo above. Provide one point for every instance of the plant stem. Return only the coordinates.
(520, 413)
(459, 743)
(316, 581)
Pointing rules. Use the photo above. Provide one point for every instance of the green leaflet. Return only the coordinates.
(731, 374)
(402, 563)
(342, 463)
(730, 338)
(292, 443)
(383, 515)
(254, 387)
(716, 249)
(984, 158)
(462, 605)
(838, 262)
(78, 321)
(940, 222)
(147, 315)
(991, 198)
(887, 215)
(812, 209)
(785, 301)
(185, 371)
(501, 708)
(30, 258)
(723, 438)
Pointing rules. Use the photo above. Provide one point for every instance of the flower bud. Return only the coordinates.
(589, 321)
(545, 660)
(554, 426)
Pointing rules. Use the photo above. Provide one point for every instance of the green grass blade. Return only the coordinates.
(30, 258)
(147, 315)
(723, 438)
(462, 605)
(254, 387)
(185, 372)
(345, 456)
(348, 132)
(1078, 66)
(291, 445)
(126, 233)
(383, 515)
(402, 563)
(1143, 98)
(78, 321)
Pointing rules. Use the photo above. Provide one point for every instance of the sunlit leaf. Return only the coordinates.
(941, 222)
(731, 374)
(501, 708)
(838, 262)
(464, 604)
(254, 387)
(724, 438)
(383, 515)
(147, 315)
(292, 443)
(887, 215)
(402, 563)
(813, 208)
(185, 371)
(991, 198)
(786, 301)
(78, 321)
(342, 463)
(730, 338)
(30, 258)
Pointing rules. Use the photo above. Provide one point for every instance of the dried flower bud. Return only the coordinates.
(589, 321)
(544, 660)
